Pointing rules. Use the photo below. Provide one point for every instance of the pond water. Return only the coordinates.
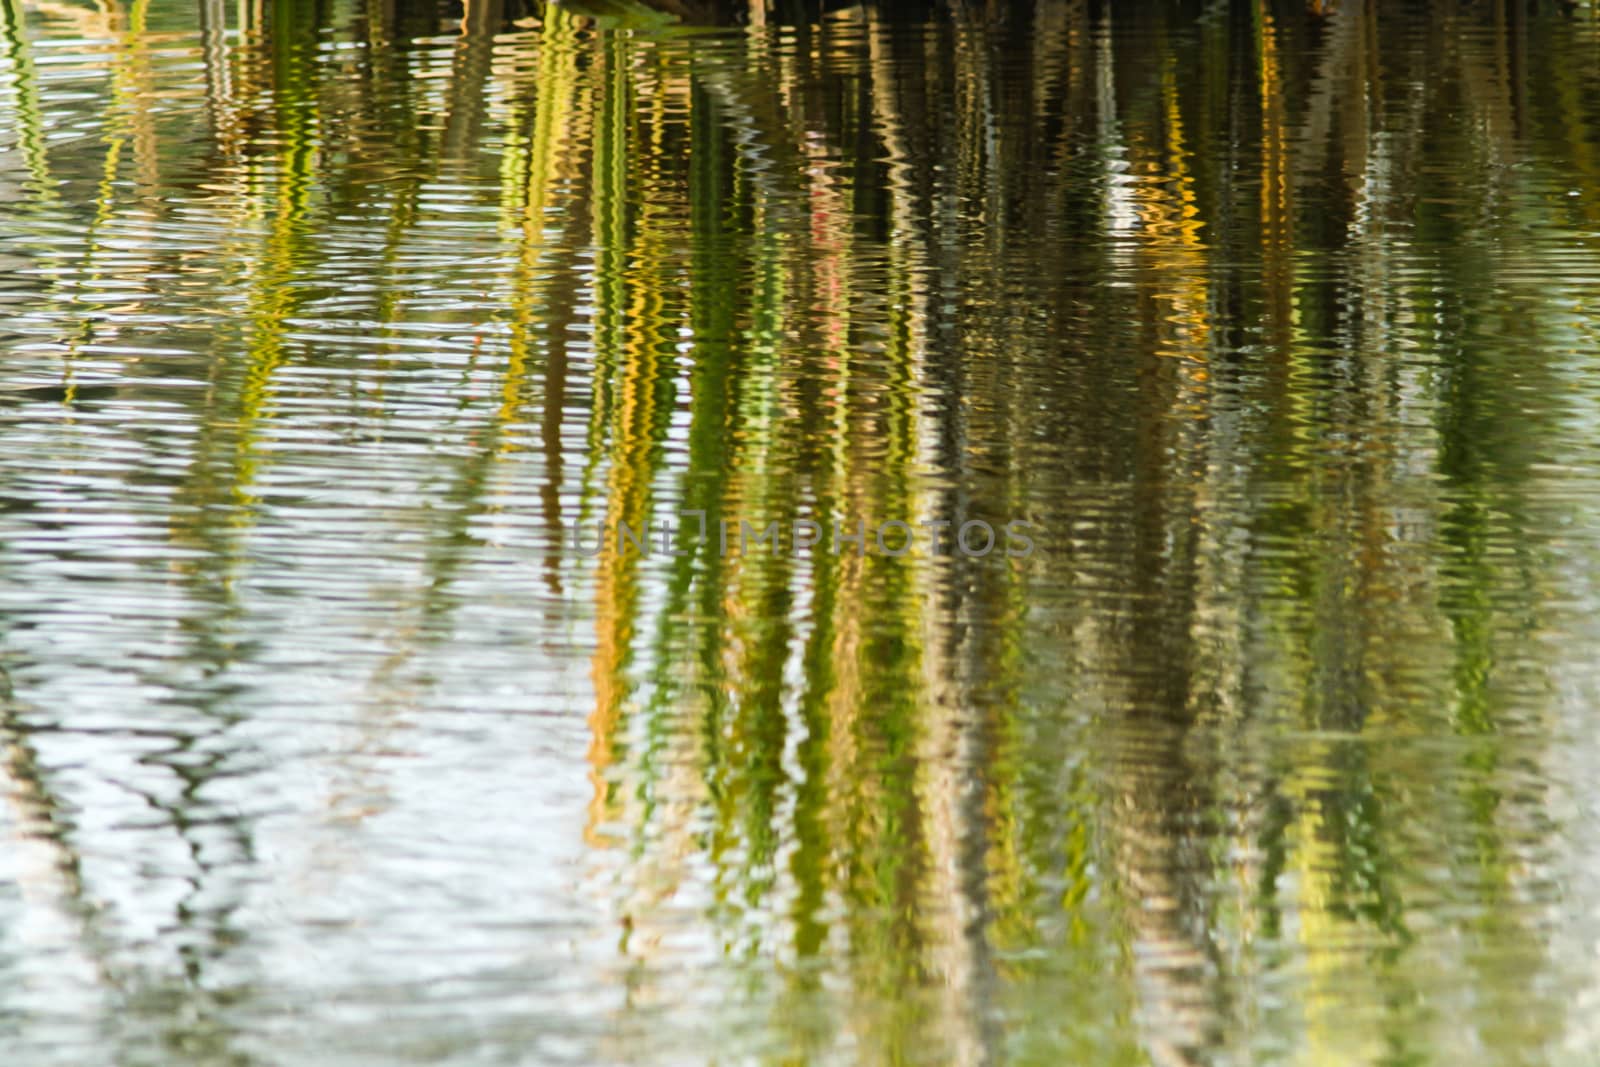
(343, 345)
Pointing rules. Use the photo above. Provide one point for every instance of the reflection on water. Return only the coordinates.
(323, 325)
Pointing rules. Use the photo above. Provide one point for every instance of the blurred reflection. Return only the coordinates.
(327, 327)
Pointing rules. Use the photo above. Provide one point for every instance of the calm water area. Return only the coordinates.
(342, 724)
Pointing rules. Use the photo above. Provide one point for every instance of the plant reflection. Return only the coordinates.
(1227, 303)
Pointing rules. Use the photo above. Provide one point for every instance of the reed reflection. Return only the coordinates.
(1269, 317)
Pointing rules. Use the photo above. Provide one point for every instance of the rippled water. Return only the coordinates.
(325, 327)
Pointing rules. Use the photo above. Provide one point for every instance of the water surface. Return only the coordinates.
(324, 326)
